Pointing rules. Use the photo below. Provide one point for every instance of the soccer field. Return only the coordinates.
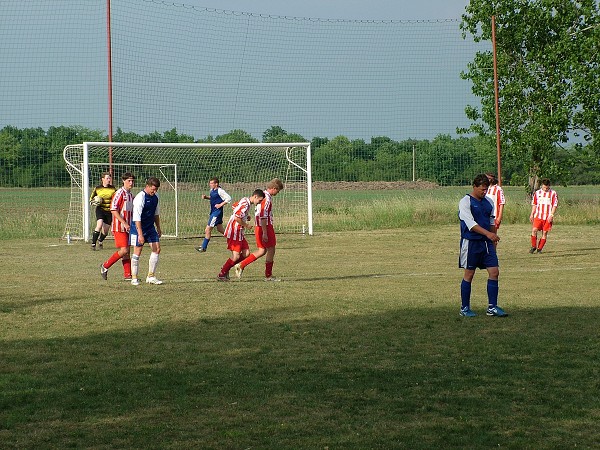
(359, 346)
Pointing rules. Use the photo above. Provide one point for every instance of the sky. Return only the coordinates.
(346, 9)
(387, 68)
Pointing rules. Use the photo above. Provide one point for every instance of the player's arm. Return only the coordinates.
(157, 223)
(225, 197)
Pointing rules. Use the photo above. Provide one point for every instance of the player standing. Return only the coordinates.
(146, 219)
(264, 232)
(218, 198)
(496, 194)
(234, 232)
(121, 208)
(478, 240)
(543, 208)
(105, 190)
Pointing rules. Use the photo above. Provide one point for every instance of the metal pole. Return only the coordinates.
(109, 63)
(498, 151)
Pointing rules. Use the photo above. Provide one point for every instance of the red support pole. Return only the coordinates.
(498, 152)
(109, 63)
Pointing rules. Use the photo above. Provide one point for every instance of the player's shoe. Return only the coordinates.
(153, 280)
(100, 245)
(127, 278)
(93, 247)
(223, 277)
(103, 272)
(496, 311)
(135, 282)
(532, 250)
(466, 312)
(272, 279)
(539, 250)
(238, 270)
(200, 249)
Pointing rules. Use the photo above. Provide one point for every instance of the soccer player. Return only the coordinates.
(121, 208)
(218, 198)
(477, 246)
(496, 194)
(543, 208)
(234, 232)
(104, 190)
(264, 232)
(146, 228)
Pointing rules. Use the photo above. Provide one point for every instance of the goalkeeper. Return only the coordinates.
(101, 198)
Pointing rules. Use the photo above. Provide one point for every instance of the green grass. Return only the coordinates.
(360, 346)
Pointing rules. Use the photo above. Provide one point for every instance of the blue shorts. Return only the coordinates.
(478, 254)
(149, 237)
(215, 218)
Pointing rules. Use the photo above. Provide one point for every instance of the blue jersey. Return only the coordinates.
(471, 212)
(145, 207)
(217, 196)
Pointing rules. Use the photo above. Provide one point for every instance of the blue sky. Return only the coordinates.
(206, 73)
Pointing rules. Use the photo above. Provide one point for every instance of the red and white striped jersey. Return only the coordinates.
(234, 230)
(496, 195)
(264, 210)
(544, 201)
(122, 202)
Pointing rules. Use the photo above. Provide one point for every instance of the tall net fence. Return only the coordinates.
(378, 100)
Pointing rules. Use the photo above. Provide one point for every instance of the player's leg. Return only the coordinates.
(534, 234)
(135, 258)
(270, 255)
(153, 261)
(96, 233)
(106, 222)
(545, 230)
(467, 260)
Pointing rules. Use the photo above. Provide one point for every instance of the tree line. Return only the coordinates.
(33, 157)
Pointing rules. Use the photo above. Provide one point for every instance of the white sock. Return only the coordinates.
(135, 262)
(153, 264)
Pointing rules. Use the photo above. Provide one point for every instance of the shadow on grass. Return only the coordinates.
(412, 378)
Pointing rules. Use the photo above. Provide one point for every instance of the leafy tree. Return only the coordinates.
(548, 73)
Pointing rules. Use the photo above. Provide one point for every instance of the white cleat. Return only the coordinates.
(238, 271)
(272, 279)
(135, 282)
(153, 280)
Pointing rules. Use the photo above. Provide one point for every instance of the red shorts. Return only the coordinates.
(237, 246)
(121, 239)
(270, 235)
(544, 225)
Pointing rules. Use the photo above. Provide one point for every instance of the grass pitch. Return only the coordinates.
(359, 346)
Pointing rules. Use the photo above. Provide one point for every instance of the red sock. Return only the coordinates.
(533, 241)
(226, 267)
(268, 269)
(542, 243)
(250, 259)
(126, 267)
(113, 259)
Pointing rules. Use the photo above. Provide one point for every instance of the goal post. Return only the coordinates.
(184, 170)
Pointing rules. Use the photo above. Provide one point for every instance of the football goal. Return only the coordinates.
(184, 171)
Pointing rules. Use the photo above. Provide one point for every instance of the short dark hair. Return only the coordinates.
(127, 175)
(215, 179)
(481, 180)
(259, 193)
(153, 181)
(545, 182)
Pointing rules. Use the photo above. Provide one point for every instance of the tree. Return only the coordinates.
(548, 74)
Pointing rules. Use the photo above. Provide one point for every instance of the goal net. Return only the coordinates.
(184, 171)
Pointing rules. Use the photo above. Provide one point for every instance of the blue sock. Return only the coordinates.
(465, 293)
(205, 243)
(492, 291)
